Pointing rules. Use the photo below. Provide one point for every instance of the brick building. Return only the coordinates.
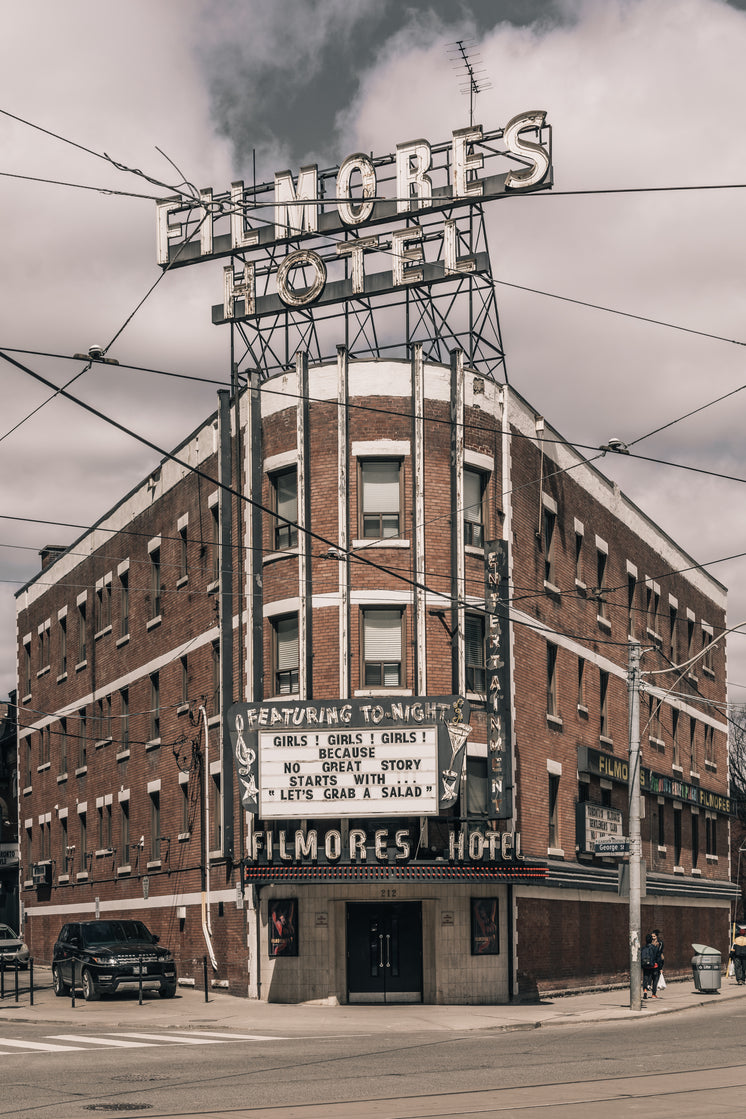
(320, 570)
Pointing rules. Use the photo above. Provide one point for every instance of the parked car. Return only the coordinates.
(103, 957)
(12, 948)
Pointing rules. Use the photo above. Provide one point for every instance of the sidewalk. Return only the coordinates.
(227, 1012)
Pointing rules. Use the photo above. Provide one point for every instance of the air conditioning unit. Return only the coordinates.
(41, 874)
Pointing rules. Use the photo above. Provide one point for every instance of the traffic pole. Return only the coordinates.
(635, 843)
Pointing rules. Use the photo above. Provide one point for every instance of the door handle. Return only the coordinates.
(380, 950)
(388, 950)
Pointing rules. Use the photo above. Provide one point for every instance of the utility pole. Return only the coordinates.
(635, 843)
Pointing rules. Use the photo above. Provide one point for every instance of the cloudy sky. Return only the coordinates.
(640, 94)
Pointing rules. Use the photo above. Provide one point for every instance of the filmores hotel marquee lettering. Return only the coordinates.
(247, 221)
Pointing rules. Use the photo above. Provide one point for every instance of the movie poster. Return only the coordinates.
(484, 935)
(283, 927)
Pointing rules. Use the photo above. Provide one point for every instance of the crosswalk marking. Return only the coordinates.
(175, 1039)
(45, 1047)
(238, 1037)
(107, 1042)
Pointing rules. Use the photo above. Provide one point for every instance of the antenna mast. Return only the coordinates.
(472, 80)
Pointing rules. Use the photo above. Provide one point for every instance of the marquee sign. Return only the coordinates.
(499, 721)
(605, 765)
(337, 758)
(312, 239)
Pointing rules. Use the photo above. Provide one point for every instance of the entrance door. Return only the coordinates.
(384, 951)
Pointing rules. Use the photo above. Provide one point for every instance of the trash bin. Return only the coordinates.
(706, 968)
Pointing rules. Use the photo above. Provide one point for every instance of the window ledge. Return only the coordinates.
(81, 770)
(580, 585)
(653, 635)
(26, 698)
(183, 836)
(473, 550)
(285, 553)
(182, 581)
(103, 742)
(123, 755)
(81, 876)
(383, 691)
(61, 777)
(28, 789)
(696, 872)
(691, 676)
(678, 870)
(124, 869)
(28, 884)
(153, 622)
(102, 632)
(555, 721)
(711, 858)
(556, 852)
(182, 709)
(476, 697)
(42, 671)
(677, 769)
(605, 740)
(122, 640)
(43, 767)
(603, 622)
(213, 720)
(382, 542)
(213, 586)
(552, 588)
(657, 742)
(104, 851)
(216, 854)
(154, 864)
(62, 879)
(694, 775)
(62, 677)
(151, 745)
(709, 672)
(662, 850)
(81, 665)
(711, 767)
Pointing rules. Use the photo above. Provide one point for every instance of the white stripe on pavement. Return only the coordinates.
(42, 1047)
(240, 1037)
(101, 1041)
(180, 1039)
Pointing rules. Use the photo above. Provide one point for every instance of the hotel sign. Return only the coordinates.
(313, 238)
(337, 758)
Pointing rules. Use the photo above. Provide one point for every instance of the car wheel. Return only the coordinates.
(167, 992)
(60, 988)
(90, 991)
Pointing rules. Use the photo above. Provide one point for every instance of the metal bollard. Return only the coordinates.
(72, 985)
(16, 980)
(31, 980)
(139, 997)
(204, 968)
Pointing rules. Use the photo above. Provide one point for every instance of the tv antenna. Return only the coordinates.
(471, 72)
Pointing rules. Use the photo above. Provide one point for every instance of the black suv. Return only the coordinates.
(107, 956)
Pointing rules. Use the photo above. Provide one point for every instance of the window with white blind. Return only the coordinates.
(382, 633)
(285, 505)
(380, 498)
(474, 650)
(474, 487)
(285, 648)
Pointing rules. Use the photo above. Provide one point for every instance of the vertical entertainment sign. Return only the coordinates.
(499, 729)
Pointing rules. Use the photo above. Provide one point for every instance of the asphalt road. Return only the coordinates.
(691, 1064)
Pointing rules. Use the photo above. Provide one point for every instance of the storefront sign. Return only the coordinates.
(349, 758)
(594, 823)
(10, 854)
(659, 784)
(499, 722)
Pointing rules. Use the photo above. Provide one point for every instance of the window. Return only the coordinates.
(476, 675)
(631, 596)
(284, 498)
(654, 721)
(124, 832)
(661, 824)
(62, 746)
(184, 681)
(155, 826)
(215, 530)
(709, 745)
(676, 836)
(380, 488)
(695, 840)
(707, 651)
(155, 583)
(653, 597)
(601, 563)
(581, 685)
(552, 708)
(155, 707)
(549, 524)
(285, 653)
(63, 644)
(711, 836)
(579, 569)
(603, 704)
(183, 553)
(475, 484)
(83, 841)
(81, 633)
(82, 738)
(673, 617)
(690, 650)
(124, 603)
(215, 665)
(29, 762)
(553, 840)
(185, 823)
(45, 841)
(104, 827)
(44, 646)
(63, 852)
(27, 667)
(382, 648)
(44, 745)
(693, 745)
(98, 721)
(216, 813)
(124, 720)
(676, 753)
(103, 606)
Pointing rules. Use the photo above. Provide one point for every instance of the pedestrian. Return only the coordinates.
(738, 954)
(649, 958)
(658, 939)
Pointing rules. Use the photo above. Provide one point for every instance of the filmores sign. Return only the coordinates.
(317, 218)
(349, 758)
